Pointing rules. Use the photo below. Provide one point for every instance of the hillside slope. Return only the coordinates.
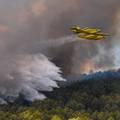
(94, 98)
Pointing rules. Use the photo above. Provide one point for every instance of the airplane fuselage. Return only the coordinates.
(92, 37)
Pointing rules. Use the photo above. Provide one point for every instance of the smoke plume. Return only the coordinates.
(33, 29)
(27, 75)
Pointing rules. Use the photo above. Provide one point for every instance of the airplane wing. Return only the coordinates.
(91, 30)
(103, 34)
(92, 37)
(89, 36)
(86, 36)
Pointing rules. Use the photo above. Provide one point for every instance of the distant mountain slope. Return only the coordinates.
(90, 97)
(94, 89)
(100, 75)
(100, 82)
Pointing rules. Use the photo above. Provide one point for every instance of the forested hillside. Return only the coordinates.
(91, 99)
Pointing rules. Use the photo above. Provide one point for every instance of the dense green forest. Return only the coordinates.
(82, 100)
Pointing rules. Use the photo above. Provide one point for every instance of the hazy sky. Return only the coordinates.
(25, 23)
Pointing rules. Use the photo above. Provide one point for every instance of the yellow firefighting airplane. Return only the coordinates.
(88, 33)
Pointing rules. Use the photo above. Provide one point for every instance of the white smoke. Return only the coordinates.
(27, 75)
(116, 43)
